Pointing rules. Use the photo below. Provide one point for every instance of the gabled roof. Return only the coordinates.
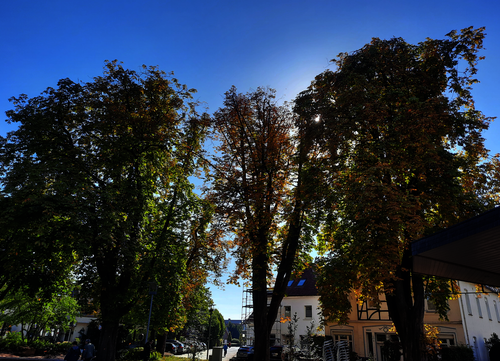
(468, 251)
(305, 285)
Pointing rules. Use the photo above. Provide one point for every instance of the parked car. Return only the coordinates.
(243, 351)
(276, 352)
(171, 347)
(180, 346)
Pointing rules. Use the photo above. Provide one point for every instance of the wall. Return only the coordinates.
(481, 318)
(297, 305)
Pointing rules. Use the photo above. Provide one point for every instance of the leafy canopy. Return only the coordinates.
(405, 155)
(96, 181)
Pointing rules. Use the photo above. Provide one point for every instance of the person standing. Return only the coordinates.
(147, 350)
(88, 351)
(225, 349)
(73, 353)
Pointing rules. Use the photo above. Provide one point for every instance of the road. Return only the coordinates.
(231, 352)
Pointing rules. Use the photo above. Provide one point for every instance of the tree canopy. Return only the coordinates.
(405, 157)
(260, 188)
(96, 181)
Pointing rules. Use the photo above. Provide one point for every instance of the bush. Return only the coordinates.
(12, 341)
(135, 354)
(391, 351)
(494, 339)
(458, 353)
(62, 347)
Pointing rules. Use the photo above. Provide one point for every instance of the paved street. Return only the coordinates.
(231, 352)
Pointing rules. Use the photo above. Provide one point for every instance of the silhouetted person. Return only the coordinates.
(73, 353)
(88, 351)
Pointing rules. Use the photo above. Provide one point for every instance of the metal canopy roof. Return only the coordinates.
(468, 251)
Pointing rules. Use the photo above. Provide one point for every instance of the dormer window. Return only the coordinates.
(290, 283)
(301, 283)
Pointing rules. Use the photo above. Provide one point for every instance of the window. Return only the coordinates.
(431, 306)
(309, 311)
(447, 340)
(487, 308)
(495, 306)
(467, 301)
(337, 337)
(290, 283)
(288, 311)
(478, 303)
(301, 283)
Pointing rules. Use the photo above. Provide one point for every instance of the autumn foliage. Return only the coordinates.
(404, 148)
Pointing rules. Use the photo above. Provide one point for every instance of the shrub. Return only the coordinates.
(458, 353)
(492, 340)
(12, 341)
(135, 354)
(62, 347)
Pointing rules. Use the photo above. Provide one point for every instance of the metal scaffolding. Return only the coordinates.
(247, 320)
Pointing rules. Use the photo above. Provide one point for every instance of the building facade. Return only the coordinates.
(473, 318)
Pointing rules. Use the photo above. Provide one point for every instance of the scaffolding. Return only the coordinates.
(247, 320)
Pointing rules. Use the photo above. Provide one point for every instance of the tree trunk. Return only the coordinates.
(161, 343)
(406, 308)
(107, 341)
(259, 294)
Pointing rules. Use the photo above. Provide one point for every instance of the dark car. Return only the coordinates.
(275, 352)
(243, 352)
(171, 348)
(180, 346)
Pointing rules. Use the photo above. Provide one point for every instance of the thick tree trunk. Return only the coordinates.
(113, 306)
(259, 294)
(406, 308)
(161, 343)
(107, 341)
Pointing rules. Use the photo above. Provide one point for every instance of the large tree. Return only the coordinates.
(405, 158)
(262, 181)
(97, 177)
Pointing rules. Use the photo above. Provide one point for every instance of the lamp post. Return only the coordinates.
(209, 326)
(153, 289)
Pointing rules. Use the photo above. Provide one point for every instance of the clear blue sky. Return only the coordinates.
(212, 45)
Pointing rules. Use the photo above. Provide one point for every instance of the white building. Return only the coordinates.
(302, 301)
(480, 317)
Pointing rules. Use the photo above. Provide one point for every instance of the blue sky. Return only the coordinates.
(212, 45)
